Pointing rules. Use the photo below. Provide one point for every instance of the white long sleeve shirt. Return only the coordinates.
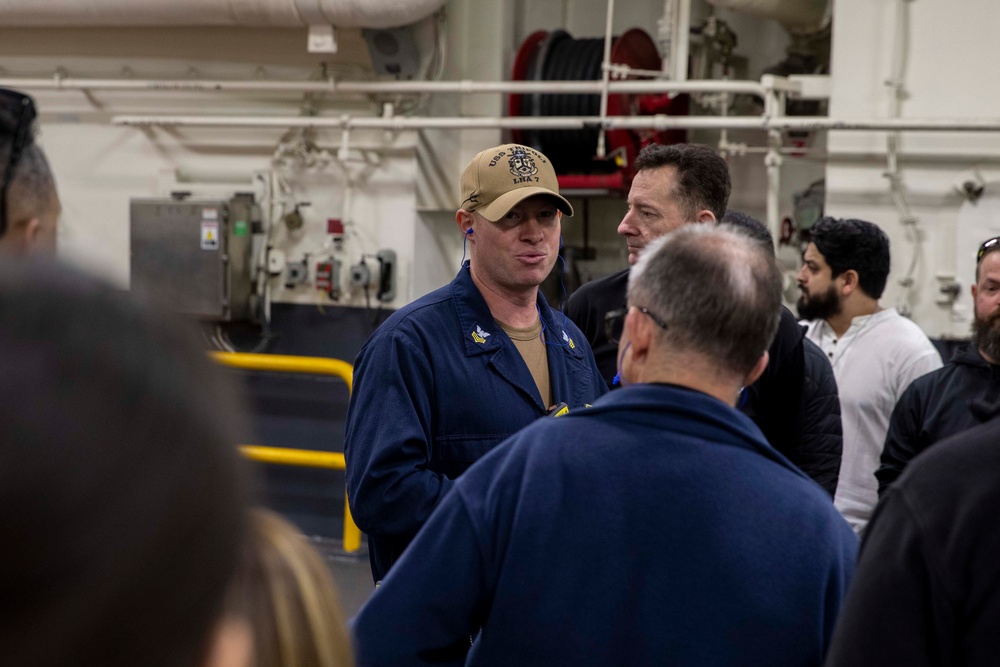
(874, 362)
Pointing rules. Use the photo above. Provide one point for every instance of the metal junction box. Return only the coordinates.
(196, 253)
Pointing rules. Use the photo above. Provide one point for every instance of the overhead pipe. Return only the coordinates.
(257, 13)
(658, 122)
(631, 86)
(682, 40)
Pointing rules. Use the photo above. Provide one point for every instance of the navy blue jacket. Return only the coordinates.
(657, 527)
(437, 386)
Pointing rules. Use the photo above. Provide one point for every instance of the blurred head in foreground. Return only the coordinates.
(122, 498)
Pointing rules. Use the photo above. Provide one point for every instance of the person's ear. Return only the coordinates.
(33, 231)
(975, 289)
(640, 333)
(758, 369)
(464, 220)
(705, 216)
(21, 236)
(850, 280)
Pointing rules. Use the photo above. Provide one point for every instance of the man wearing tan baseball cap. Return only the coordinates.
(448, 377)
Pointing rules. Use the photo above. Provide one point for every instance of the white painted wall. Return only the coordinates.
(100, 167)
(949, 48)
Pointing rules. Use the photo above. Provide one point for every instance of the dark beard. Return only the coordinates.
(986, 335)
(819, 307)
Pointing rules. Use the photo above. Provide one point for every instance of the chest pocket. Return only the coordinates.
(451, 455)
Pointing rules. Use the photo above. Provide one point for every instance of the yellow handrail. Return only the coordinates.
(298, 457)
(283, 363)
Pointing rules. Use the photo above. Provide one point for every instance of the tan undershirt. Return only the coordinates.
(532, 348)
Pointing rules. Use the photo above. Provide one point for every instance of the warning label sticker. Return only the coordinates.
(209, 235)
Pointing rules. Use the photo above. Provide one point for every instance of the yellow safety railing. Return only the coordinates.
(298, 457)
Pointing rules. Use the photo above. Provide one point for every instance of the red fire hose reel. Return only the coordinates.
(557, 56)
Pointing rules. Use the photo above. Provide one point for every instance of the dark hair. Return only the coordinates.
(122, 499)
(702, 176)
(854, 244)
(32, 187)
(991, 244)
(752, 227)
(717, 291)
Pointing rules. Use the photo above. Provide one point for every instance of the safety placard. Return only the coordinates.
(209, 235)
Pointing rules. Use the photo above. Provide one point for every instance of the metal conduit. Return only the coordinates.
(298, 457)
(658, 122)
(465, 87)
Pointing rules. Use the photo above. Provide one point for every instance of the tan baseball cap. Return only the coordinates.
(499, 178)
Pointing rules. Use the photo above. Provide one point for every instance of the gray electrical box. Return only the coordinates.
(196, 253)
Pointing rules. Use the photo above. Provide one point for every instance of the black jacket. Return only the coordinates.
(794, 402)
(925, 591)
(822, 431)
(587, 307)
(962, 394)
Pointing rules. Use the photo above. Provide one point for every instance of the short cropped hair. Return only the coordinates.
(122, 497)
(854, 244)
(717, 291)
(32, 187)
(752, 227)
(702, 175)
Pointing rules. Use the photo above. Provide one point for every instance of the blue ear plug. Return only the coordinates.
(465, 238)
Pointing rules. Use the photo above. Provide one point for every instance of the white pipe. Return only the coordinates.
(683, 41)
(658, 122)
(666, 37)
(375, 87)
(605, 75)
(774, 108)
(773, 161)
(272, 13)
(895, 87)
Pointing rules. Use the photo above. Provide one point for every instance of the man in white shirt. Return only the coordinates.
(875, 352)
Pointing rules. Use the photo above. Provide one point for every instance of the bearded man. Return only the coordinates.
(962, 394)
(875, 352)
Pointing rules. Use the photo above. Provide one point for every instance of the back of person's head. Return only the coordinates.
(716, 290)
(854, 244)
(752, 227)
(702, 176)
(122, 497)
(29, 204)
(285, 590)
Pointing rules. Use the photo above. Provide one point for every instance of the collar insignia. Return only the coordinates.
(479, 335)
(568, 340)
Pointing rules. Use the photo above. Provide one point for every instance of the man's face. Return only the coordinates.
(820, 297)
(986, 298)
(518, 251)
(653, 209)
